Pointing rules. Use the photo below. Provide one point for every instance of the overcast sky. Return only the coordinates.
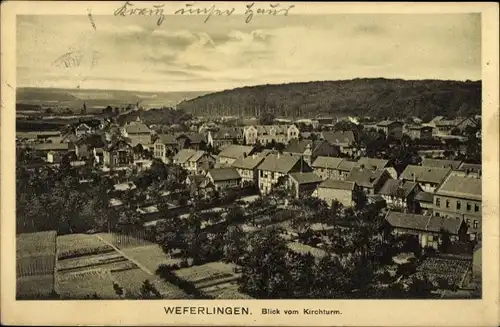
(185, 54)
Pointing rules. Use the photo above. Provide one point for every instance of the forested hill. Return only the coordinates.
(380, 98)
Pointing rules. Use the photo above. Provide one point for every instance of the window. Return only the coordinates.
(468, 206)
(459, 205)
(436, 214)
(476, 208)
(438, 202)
(476, 224)
(447, 203)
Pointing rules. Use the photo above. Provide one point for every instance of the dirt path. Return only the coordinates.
(126, 256)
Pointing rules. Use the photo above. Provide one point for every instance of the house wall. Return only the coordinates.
(225, 184)
(248, 175)
(292, 133)
(446, 206)
(326, 173)
(250, 135)
(328, 194)
(267, 179)
(425, 238)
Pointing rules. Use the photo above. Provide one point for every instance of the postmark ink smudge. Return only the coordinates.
(91, 19)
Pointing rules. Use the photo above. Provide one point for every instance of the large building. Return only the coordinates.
(459, 197)
(265, 134)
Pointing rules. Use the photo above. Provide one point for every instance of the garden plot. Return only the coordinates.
(111, 260)
(206, 277)
(453, 270)
(124, 241)
(36, 244)
(76, 245)
(34, 287)
(132, 280)
(83, 285)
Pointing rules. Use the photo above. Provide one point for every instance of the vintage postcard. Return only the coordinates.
(249, 163)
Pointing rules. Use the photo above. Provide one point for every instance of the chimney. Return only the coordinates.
(413, 176)
(254, 156)
(278, 155)
(362, 166)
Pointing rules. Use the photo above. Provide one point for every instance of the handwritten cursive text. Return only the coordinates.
(273, 10)
(130, 10)
(208, 11)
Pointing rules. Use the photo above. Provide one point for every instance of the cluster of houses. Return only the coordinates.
(435, 197)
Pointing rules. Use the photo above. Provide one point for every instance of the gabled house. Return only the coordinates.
(345, 140)
(375, 163)
(233, 152)
(181, 157)
(446, 127)
(400, 195)
(250, 134)
(224, 178)
(277, 167)
(310, 150)
(83, 129)
(303, 184)
(138, 132)
(86, 144)
(333, 189)
(165, 146)
(225, 136)
(428, 229)
(369, 180)
(247, 168)
(428, 178)
(327, 167)
(194, 141)
(194, 162)
(391, 128)
(200, 163)
(118, 154)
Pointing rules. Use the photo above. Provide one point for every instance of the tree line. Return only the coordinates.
(380, 98)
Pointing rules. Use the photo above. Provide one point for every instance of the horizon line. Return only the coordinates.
(253, 85)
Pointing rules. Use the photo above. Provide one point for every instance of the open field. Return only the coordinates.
(81, 285)
(76, 245)
(150, 256)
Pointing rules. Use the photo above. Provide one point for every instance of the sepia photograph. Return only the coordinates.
(248, 152)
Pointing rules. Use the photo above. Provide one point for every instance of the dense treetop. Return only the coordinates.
(380, 98)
